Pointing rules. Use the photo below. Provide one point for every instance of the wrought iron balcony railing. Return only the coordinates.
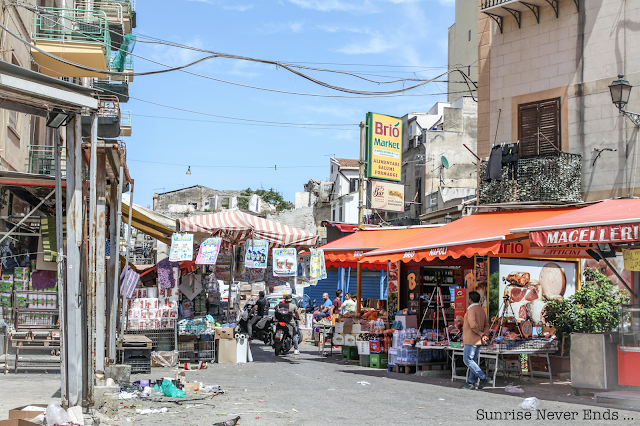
(492, 3)
(545, 178)
(72, 25)
(111, 87)
(41, 160)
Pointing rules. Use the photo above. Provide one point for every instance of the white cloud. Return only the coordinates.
(336, 5)
(281, 27)
(239, 7)
(375, 44)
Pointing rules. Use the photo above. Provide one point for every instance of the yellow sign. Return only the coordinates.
(384, 147)
(631, 260)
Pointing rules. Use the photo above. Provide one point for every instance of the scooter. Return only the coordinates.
(283, 331)
(262, 330)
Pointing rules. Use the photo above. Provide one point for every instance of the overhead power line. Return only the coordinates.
(208, 166)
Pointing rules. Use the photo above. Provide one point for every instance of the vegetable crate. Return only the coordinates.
(364, 360)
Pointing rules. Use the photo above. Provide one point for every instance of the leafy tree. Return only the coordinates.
(271, 196)
(494, 294)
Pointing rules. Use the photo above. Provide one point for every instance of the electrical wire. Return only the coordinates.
(219, 55)
(275, 167)
(243, 124)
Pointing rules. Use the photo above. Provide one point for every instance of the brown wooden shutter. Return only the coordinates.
(550, 126)
(535, 120)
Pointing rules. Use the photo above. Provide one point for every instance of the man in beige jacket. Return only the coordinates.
(475, 333)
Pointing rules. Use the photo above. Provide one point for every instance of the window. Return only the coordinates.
(539, 127)
(341, 214)
(333, 215)
(13, 120)
(469, 35)
(353, 185)
(469, 70)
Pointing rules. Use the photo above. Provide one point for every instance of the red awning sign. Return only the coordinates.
(618, 233)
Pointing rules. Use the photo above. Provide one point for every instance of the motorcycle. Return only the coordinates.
(262, 330)
(283, 331)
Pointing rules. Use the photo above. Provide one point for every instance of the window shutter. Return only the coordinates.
(527, 129)
(353, 185)
(535, 120)
(550, 126)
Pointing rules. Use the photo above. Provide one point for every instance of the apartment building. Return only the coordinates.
(545, 68)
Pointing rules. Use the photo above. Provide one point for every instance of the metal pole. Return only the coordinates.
(231, 278)
(361, 175)
(91, 259)
(116, 203)
(359, 286)
(101, 271)
(60, 261)
(74, 320)
(126, 264)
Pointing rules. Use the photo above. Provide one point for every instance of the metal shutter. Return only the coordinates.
(370, 285)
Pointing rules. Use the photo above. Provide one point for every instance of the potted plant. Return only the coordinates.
(584, 323)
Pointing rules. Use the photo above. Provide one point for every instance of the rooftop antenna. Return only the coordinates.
(444, 165)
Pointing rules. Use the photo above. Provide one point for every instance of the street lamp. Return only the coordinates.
(447, 218)
(189, 170)
(620, 90)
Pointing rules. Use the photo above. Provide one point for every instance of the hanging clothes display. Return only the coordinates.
(510, 159)
(494, 168)
(165, 273)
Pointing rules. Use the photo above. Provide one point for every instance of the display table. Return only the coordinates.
(326, 334)
(496, 355)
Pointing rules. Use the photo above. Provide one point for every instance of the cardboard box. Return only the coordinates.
(408, 321)
(16, 422)
(191, 387)
(307, 333)
(17, 413)
(227, 351)
(224, 333)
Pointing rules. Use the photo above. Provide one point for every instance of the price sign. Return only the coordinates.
(631, 260)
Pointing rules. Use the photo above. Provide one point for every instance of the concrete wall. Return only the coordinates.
(574, 57)
(424, 161)
(196, 194)
(463, 46)
(302, 218)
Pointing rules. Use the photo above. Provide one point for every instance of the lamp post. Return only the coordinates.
(620, 90)
(448, 218)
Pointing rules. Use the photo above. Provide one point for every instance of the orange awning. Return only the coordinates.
(477, 234)
(351, 248)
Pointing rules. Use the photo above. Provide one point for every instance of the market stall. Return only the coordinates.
(238, 255)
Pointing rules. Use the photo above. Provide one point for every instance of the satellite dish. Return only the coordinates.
(445, 162)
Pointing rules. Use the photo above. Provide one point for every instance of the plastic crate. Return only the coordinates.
(349, 352)
(378, 360)
(364, 360)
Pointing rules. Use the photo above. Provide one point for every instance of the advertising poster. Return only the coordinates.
(386, 196)
(284, 262)
(304, 266)
(617, 263)
(208, 252)
(181, 247)
(256, 252)
(384, 147)
(223, 267)
(318, 270)
(460, 306)
(524, 283)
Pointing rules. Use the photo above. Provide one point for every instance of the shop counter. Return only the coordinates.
(496, 355)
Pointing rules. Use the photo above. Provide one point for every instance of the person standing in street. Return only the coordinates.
(337, 303)
(475, 333)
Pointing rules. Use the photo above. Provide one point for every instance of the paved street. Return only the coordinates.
(309, 390)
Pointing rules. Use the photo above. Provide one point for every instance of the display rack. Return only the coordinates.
(162, 338)
(29, 318)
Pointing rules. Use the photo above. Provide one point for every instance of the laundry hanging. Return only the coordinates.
(510, 159)
(494, 168)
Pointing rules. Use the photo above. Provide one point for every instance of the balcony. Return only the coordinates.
(41, 161)
(119, 17)
(542, 178)
(499, 9)
(79, 36)
(108, 118)
(122, 61)
(112, 87)
(125, 123)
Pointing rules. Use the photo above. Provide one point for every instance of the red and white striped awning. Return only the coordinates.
(235, 226)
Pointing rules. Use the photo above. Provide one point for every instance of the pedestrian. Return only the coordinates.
(349, 304)
(337, 303)
(475, 333)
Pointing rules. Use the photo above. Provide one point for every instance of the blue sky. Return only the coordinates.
(408, 38)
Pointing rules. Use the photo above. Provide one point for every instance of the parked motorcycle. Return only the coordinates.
(262, 330)
(283, 331)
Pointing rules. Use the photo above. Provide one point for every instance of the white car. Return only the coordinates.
(303, 302)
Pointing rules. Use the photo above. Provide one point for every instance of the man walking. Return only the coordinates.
(475, 333)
